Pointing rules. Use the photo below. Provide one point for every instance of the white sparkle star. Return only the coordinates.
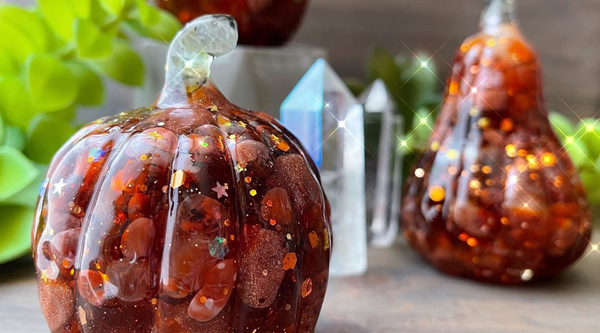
(58, 187)
(221, 190)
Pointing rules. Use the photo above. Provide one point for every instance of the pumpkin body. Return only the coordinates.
(261, 22)
(496, 197)
(201, 219)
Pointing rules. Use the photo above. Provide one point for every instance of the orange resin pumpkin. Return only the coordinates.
(261, 22)
(189, 216)
(496, 197)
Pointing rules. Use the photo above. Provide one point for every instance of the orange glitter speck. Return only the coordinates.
(472, 242)
(289, 261)
(486, 169)
(313, 238)
(437, 193)
(453, 90)
(507, 125)
(202, 299)
(248, 179)
(463, 237)
(306, 287)
(548, 159)
(144, 157)
(225, 291)
(273, 222)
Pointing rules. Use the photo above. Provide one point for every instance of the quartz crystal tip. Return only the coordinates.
(191, 54)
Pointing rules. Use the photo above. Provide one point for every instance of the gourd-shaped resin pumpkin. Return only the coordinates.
(496, 197)
(190, 216)
(261, 22)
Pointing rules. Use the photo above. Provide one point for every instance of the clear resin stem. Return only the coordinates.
(191, 53)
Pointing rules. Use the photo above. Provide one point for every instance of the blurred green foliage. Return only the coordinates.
(54, 59)
(413, 82)
(581, 140)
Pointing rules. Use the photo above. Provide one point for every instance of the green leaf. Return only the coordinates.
(16, 172)
(1, 129)
(51, 84)
(61, 14)
(9, 66)
(164, 30)
(588, 132)
(16, 106)
(562, 126)
(47, 133)
(579, 154)
(29, 24)
(149, 15)
(124, 66)
(15, 232)
(418, 82)
(590, 183)
(67, 114)
(355, 85)
(91, 86)
(113, 7)
(28, 196)
(14, 137)
(381, 65)
(92, 43)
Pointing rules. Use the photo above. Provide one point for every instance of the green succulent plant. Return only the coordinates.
(581, 140)
(54, 59)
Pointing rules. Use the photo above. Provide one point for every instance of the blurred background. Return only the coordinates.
(566, 34)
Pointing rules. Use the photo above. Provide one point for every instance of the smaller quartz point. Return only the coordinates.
(383, 161)
(328, 120)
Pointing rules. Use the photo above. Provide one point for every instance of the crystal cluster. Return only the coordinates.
(190, 216)
(328, 120)
(496, 197)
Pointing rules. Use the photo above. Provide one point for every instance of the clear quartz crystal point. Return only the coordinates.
(383, 127)
(328, 120)
(191, 54)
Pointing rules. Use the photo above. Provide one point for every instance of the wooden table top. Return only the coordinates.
(399, 293)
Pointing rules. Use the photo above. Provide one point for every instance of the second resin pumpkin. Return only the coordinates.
(261, 22)
(496, 197)
(190, 216)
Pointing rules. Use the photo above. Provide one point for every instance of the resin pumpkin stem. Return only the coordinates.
(498, 12)
(191, 54)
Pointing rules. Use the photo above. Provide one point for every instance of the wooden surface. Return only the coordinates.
(399, 293)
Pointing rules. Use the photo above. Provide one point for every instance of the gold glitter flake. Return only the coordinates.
(326, 238)
(252, 192)
(214, 108)
(177, 179)
(155, 135)
(82, 315)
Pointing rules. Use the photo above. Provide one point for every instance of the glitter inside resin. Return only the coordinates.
(189, 216)
(261, 22)
(496, 197)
